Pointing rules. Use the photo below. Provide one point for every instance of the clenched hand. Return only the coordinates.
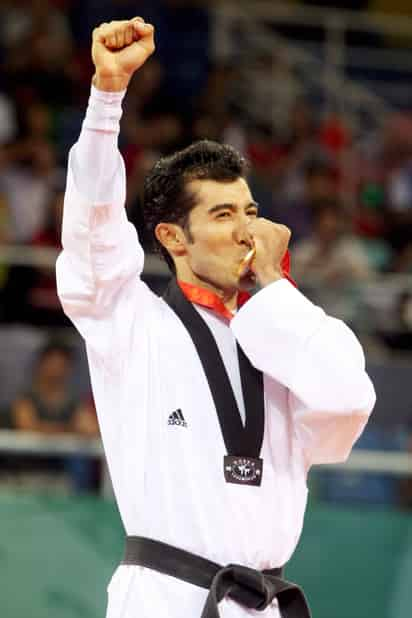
(271, 241)
(119, 49)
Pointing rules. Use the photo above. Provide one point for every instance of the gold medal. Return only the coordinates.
(246, 262)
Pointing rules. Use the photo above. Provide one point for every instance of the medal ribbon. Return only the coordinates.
(210, 300)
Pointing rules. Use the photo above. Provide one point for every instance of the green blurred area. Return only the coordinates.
(57, 556)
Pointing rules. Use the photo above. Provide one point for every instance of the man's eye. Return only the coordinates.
(223, 215)
(252, 213)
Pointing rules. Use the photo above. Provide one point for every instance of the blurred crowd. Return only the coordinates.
(347, 199)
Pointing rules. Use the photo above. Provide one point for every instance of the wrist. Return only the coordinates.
(104, 110)
(110, 83)
(268, 276)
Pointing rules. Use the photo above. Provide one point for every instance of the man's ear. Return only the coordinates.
(172, 238)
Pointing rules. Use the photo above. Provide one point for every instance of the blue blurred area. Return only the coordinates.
(366, 488)
(182, 38)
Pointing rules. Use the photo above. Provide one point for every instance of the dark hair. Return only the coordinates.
(165, 197)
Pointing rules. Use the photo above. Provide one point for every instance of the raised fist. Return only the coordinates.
(118, 50)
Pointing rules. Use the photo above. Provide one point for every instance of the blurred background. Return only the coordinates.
(319, 98)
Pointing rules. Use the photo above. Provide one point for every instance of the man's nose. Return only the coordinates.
(242, 233)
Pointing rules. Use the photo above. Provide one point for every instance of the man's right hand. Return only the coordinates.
(119, 49)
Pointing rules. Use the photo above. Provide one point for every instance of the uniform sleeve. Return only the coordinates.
(320, 361)
(98, 271)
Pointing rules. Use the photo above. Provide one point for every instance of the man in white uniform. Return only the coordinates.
(210, 424)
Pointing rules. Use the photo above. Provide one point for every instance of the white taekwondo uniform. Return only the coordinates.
(168, 478)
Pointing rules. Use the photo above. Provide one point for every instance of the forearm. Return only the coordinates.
(96, 157)
(315, 356)
(320, 362)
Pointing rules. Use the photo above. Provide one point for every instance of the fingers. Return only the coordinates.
(105, 35)
(129, 35)
(119, 34)
(261, 225)
(269, 236)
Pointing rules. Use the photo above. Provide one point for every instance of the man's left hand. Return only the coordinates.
(271, 242)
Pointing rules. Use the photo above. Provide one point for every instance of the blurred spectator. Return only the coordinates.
(49, 408)
(334, 134)
(7, 119)
(331, 256)
(28, 173)
(21, 17)
(302, 132)
(385, 172)
(30, 293)
(398, 335)
(370, 220)
(267, 87)
(399, 215)
(4, 221)
(266, 154)
(39, 47)
(43, 305)
(150, 121)
(223, 79)
(4, 239)
(315, 182)
(248, 94)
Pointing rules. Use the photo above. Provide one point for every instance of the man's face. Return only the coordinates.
(219, 237)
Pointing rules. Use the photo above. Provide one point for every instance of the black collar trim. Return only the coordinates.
(240, 440)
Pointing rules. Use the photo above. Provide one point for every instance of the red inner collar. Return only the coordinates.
(210, 300)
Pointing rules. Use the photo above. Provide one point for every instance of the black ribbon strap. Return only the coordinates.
(248, 587)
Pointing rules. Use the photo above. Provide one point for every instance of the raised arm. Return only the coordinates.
(101, 255)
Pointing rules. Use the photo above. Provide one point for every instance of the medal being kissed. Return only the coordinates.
(244, 268)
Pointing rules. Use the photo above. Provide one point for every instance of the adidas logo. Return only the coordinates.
(177, 418)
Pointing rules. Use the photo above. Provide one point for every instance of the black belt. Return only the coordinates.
(248, 587)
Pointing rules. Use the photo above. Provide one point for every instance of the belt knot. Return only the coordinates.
(248, 587)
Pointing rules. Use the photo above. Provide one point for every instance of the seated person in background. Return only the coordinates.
(331, 255)
(43, 305)
(49, 407)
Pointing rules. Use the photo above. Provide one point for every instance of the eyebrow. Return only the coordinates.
(232, 207)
